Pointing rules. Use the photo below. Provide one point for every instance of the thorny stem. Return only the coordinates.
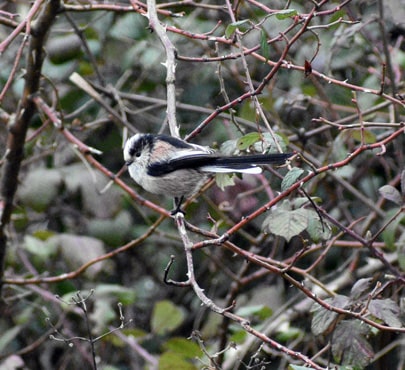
(188, 247)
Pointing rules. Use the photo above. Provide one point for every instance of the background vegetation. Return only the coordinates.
(301, 267)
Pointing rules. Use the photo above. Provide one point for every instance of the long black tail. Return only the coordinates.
(212, 160)
(251, 159)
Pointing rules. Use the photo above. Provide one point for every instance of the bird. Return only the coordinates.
(167, 165)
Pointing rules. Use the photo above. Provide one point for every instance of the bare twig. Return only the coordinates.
(170, 65)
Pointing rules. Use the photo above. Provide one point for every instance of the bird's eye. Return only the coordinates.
(138, 154)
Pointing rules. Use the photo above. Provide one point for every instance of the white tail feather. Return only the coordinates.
(217, 169)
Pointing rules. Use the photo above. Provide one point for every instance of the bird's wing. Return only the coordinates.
(182, 160)
(207, 162)
(204, 162)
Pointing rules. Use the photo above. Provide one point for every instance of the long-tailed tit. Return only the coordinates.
(166, 165)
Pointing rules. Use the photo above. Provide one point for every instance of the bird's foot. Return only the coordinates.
(177, 206)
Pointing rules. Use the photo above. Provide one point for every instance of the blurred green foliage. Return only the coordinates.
(67, 213)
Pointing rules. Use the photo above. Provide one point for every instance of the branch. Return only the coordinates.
(24, 24)
(26, 110)
(170, 65)
(188, 247)
(311, 175)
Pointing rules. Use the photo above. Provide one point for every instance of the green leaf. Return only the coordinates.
(104, 312)
(238, 336)
(120, 342)
(264, 46)
(64, 48)
(389, 235)
(229, 147)
(224, 179)
(367, 136)
(349, 344)
(112, 231)
(291, 177)
(184, 347)
(268, 145)
(40, 188)
(116, 292)
(318, 228)
(300, 201)
(231, 28)
(391, 193)
(39, 248)
(170, 361)
(247, 110)
(337, 16)
(261, 311)
(77, 250)
(128, 26)
(288, 334)
(324, 319)
(386, 310)
(286, 13)
(166, 317)
(246, 141)
(286, 223)
(360, 287)
(43, 234)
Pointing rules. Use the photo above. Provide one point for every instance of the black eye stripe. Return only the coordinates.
(138, 145)
(135, 153)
